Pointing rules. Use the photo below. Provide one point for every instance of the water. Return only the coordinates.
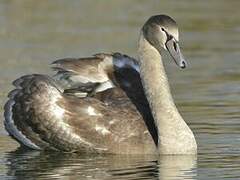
(34, 33)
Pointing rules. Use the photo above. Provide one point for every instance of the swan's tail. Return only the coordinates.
(34, 118)
(19, 112)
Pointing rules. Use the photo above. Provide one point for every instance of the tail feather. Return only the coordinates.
(23, 81)
(19, 127)
(13, 93)
(12, 128)
(34, 118)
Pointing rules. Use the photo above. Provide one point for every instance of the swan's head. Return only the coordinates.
(161, 31)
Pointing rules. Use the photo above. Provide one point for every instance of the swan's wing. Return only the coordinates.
(129, 81)
(82, 70)
(18, 110)
(40, 116)
(92, 73)
(118, 70)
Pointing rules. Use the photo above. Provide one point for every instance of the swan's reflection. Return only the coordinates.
(22, 164)
(178, 167)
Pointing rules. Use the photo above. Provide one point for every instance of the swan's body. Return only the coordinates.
(104, 104)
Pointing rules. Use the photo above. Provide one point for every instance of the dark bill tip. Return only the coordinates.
(183, 65)
(174, 50)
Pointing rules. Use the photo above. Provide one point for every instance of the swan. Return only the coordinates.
(107, 103)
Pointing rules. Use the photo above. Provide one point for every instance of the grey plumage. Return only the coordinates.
(107, 103)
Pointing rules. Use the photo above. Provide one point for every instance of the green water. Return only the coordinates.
(34, 33)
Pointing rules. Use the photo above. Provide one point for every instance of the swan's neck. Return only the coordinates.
(174, 136)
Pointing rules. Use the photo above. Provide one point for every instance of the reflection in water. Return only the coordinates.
(177, 167)
(24, 164)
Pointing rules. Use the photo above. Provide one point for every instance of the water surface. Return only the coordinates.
(34, 33)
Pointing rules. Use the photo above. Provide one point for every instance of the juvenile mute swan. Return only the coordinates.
(109, 103)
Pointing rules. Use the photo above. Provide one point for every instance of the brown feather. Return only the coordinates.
(86, 125)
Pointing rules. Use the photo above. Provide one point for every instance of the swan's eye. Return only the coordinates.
(163, 29)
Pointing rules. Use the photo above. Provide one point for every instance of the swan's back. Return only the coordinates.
(40, 116)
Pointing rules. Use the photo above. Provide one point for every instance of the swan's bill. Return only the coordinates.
(174, 50)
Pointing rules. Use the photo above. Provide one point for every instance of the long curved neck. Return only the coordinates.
(174, 136)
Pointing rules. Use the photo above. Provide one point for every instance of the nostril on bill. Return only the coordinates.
(183, 65)
(175, 46)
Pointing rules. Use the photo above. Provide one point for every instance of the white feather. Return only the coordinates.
(102, 130)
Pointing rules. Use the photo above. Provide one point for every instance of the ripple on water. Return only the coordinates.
(24, 164)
